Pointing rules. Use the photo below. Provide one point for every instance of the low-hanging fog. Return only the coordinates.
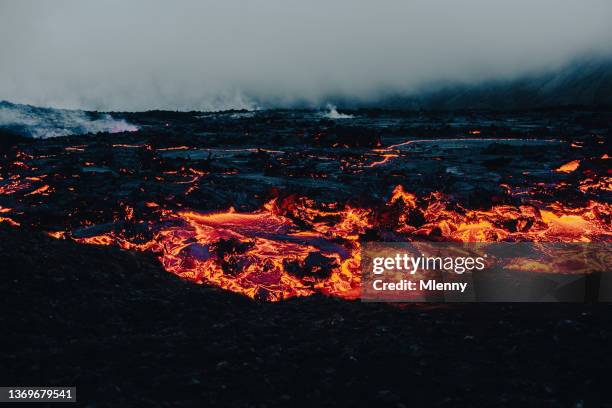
(209, 55)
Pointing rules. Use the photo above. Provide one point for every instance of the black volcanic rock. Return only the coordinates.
(347, 136)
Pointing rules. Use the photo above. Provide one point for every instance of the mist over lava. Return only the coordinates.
(206, 55)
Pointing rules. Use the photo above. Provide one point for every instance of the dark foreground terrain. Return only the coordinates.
(127, 333)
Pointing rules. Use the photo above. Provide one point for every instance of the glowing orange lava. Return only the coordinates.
(569, 167)
(296, 247)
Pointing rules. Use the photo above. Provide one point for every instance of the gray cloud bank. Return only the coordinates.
(205, 55)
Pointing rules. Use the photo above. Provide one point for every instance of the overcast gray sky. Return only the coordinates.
(198, 54)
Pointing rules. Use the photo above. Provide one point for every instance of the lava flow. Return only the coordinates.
(295, 247)
(264, 254)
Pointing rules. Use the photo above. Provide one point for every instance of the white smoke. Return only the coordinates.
(332, 113)
(44, 123)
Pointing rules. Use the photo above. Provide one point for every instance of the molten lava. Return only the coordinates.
(252, 254)
(569, 167)
(295, 247)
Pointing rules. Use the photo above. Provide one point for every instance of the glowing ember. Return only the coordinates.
(385, 159)
(592, 185)
(10, 221)
(57, 234)
(569, 167)
(399, 194)
(40, 190)
(14, 186)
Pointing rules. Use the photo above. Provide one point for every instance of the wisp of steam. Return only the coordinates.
(332, 113)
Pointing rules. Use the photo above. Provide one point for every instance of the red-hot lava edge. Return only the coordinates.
(295, 246)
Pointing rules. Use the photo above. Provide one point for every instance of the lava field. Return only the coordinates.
(276, 204)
